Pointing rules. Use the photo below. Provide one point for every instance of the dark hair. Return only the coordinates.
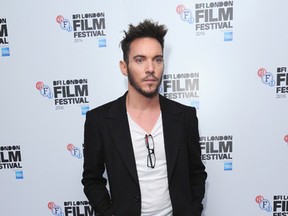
(147, 28)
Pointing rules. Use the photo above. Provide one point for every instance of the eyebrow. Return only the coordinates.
(143, 56)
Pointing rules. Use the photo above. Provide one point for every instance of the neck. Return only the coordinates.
(138, 102)
(144, 111)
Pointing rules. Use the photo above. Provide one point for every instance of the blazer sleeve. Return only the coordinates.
(198, 174)
(93, 168)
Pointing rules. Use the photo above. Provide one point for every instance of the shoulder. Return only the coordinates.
(168, 104)
(107, 108)
(102, 109)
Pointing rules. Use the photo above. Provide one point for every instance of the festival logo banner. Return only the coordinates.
(217, 148)
(75, 151)
(84, 26)
(4, 41)
(181, 87)
(72, 208)
(276, 206)
(66, 93)
(279, 82)
(208, 17)
(11, 159)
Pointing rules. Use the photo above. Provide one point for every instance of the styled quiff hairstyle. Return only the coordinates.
(147, 28)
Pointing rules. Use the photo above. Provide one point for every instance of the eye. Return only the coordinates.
(139, 60)
(159, 60)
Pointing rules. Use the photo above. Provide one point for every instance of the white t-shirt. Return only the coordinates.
(153, 181)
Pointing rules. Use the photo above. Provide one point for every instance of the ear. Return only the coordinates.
(123, 67)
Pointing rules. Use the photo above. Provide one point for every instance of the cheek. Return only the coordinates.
(134, 74)
(160, 70)
(136, 71)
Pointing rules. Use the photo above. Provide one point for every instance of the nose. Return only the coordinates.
(150, 66)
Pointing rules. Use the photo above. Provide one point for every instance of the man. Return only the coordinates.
(148, 145)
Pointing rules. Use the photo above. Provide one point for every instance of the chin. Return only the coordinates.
(149, 94)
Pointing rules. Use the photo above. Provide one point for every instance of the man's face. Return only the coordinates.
(146, 66)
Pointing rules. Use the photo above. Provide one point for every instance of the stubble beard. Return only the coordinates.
(142, 91)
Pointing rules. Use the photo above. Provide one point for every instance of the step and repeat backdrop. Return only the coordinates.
(59, 59)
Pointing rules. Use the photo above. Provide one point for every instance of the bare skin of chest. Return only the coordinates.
(145, 119)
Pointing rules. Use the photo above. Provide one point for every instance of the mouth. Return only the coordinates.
(150, 79)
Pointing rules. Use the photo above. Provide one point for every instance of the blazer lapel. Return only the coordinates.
(118, 124)
(172, 128)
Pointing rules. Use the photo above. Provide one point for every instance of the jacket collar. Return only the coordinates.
(172, 127)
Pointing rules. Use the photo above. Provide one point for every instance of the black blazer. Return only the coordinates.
(107, 144)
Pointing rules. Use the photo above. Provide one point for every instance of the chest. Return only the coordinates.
(145, 120)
